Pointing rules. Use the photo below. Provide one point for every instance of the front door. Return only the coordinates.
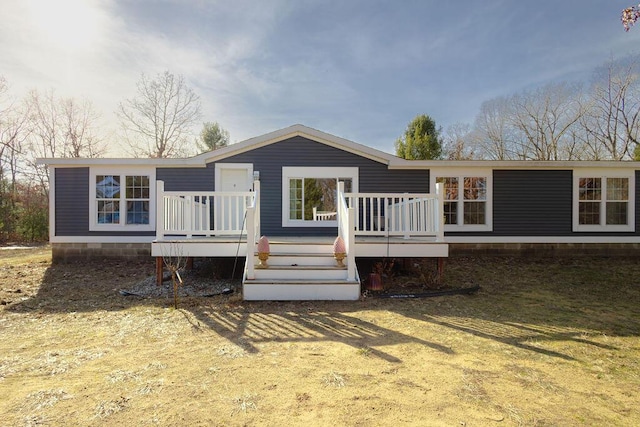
(232, 179)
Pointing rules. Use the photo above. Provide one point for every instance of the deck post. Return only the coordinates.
(351, 250)
(440, 270)
(251, 240)
(159, 210)
(159, 270)
(440, 212)
(405, 215)
(256, 204)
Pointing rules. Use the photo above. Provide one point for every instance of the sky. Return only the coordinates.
(357, 69)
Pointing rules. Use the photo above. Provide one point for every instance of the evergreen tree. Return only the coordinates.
(421, 140)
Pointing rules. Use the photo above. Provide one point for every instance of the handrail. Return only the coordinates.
(346, 230)
(396, 214)
(253, 230)
(201, 213)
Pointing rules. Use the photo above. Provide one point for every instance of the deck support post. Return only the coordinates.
(440, 269)
(189, 265)
(159, 270)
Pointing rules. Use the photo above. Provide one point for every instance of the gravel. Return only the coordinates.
(193, 286)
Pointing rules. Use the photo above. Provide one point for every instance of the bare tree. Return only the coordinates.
(612, 126)
(492, 133)
(458, 143)
(544, 118)
(79, 120)
(13, 131)
(59, 127)
(158, 121)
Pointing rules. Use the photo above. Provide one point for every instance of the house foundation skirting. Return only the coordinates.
(69, 252)
(545, 249)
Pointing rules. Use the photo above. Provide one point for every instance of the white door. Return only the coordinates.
(230, 208)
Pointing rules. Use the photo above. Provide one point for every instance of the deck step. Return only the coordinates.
(308, 272)
(299, 259)
(303, 270)
(301, 290)
(300, 248)
(300, 282)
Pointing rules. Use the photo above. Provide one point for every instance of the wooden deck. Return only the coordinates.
(365, 246)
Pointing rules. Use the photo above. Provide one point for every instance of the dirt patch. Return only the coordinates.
(545, 342)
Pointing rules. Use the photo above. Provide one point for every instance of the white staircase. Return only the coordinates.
(300, 271)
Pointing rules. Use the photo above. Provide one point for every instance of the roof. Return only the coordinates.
(201, 160)
(393, 162)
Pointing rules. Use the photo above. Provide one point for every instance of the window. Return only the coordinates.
(121, 199)
(467, 203)
(309, 194)
(603, 203)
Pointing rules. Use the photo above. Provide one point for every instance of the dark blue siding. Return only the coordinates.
(72, 205)
(532, 202)
(187, 179)
(299, 151)
(538, 203)
(72, 201)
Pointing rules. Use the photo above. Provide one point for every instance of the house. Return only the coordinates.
(302, 188)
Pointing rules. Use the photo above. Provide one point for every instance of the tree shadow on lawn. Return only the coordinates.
(259, 323)
(521, 304)
(526, 303)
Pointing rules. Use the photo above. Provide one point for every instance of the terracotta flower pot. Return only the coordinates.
(263, 252)
(339, 251)
(375, 282)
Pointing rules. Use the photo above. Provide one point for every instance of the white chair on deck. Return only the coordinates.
(323, 215)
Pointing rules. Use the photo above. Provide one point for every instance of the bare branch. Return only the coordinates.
(158, 121)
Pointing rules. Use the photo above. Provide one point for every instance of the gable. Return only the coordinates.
(295, 131)
(299, 151)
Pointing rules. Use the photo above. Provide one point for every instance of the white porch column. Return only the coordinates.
(256, 204)
(251, 242)
(405, 216)
(439, 220)
(351, 249)
(159, 210)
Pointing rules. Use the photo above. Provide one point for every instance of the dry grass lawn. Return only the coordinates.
(545, 342)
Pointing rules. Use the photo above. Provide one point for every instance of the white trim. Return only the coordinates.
(52, 202)
(398, 163)
(456, 172)
(289, 172)
(542, 239)
(449, 239)
(604, 174)
(122, 171)
(102, 239)
(220, 166)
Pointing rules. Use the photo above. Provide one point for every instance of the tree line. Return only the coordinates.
(596, 120)
(156, 122)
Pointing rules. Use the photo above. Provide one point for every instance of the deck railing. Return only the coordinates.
(201, 213)
(346, 229)
(394, 214)
(253, 230)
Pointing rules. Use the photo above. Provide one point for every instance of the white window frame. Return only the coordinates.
(292, 172)
(123, 172)
(603, 174)
(460, 174)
